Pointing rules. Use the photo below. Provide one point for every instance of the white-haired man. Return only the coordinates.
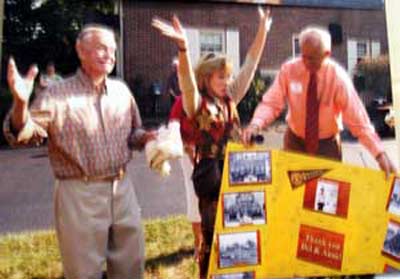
(319, 94)
(91, 122)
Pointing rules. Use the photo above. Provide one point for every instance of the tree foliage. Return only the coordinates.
(258, 87)
(38, 31)
(376, 76)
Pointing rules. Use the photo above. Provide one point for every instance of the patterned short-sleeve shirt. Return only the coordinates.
(88, 131)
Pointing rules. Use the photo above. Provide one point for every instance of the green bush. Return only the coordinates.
(258, 87)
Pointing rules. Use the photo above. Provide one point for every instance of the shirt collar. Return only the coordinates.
(88, 83)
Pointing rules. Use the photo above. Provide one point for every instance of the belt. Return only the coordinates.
(97, 178)
(330, 138)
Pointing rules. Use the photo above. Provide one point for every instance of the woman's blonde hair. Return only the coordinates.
(209, 63)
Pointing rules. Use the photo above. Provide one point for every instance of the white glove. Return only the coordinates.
(170, 141)
(151, 151)
(164, 169)
(168, 145)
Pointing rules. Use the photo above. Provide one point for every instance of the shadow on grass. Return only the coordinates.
(169, 259)
(162, 260)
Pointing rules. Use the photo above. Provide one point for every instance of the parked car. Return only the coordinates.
(378, 110)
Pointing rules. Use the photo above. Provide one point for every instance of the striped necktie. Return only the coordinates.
(312, 116)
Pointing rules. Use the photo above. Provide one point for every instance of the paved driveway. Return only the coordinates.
(26, 189)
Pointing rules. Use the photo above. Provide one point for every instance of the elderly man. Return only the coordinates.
(92, 122)
(318, 92)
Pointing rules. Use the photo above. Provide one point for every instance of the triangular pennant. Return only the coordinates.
(300, 177)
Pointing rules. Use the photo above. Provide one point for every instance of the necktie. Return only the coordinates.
(312, 116)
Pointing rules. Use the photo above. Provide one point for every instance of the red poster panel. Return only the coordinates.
(327, 196)
(320, 246)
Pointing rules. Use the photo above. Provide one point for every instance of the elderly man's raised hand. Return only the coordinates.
(20, 87)
(173, 31)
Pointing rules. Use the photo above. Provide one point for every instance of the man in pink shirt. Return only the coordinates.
(335, 98)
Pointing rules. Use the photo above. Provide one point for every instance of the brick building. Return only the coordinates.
(358, 28)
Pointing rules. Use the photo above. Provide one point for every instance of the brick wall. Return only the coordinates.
(149, 54)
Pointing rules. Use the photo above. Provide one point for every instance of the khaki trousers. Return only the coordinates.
(99, 223)
(192, 202)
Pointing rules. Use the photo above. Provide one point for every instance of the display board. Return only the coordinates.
(283, 215)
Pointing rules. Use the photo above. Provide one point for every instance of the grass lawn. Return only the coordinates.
(35, 255)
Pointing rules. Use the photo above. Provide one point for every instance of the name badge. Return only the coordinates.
(296, 87)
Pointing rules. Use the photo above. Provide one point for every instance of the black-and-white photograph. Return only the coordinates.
(238, 275)
(326, 196)
(394, 202)
(249, 167)
(244, 208)
(391, 246)
(238, 249)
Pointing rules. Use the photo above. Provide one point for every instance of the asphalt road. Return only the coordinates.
(27, 183)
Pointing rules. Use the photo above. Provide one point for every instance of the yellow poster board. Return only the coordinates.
(283, 215)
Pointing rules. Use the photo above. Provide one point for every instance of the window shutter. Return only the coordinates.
(351, 55)
(375, 49)
(194, 44)
(232, 48)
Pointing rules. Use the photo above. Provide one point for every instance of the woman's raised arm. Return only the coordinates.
(241, 84)
(190, 95)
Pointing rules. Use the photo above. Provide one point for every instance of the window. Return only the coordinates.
(212, 41)
(361, 48)
(296, 45)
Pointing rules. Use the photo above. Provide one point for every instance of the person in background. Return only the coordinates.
(172, 86)
(209, 99)
(92, 123)
(50, 76)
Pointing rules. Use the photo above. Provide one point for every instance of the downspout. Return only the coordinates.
(120, 52)
(1, 31)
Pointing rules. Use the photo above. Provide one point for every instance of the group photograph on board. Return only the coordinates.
(394, 200)
(244, 208)
(249, 167)
(391, 245)
(238, 249)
